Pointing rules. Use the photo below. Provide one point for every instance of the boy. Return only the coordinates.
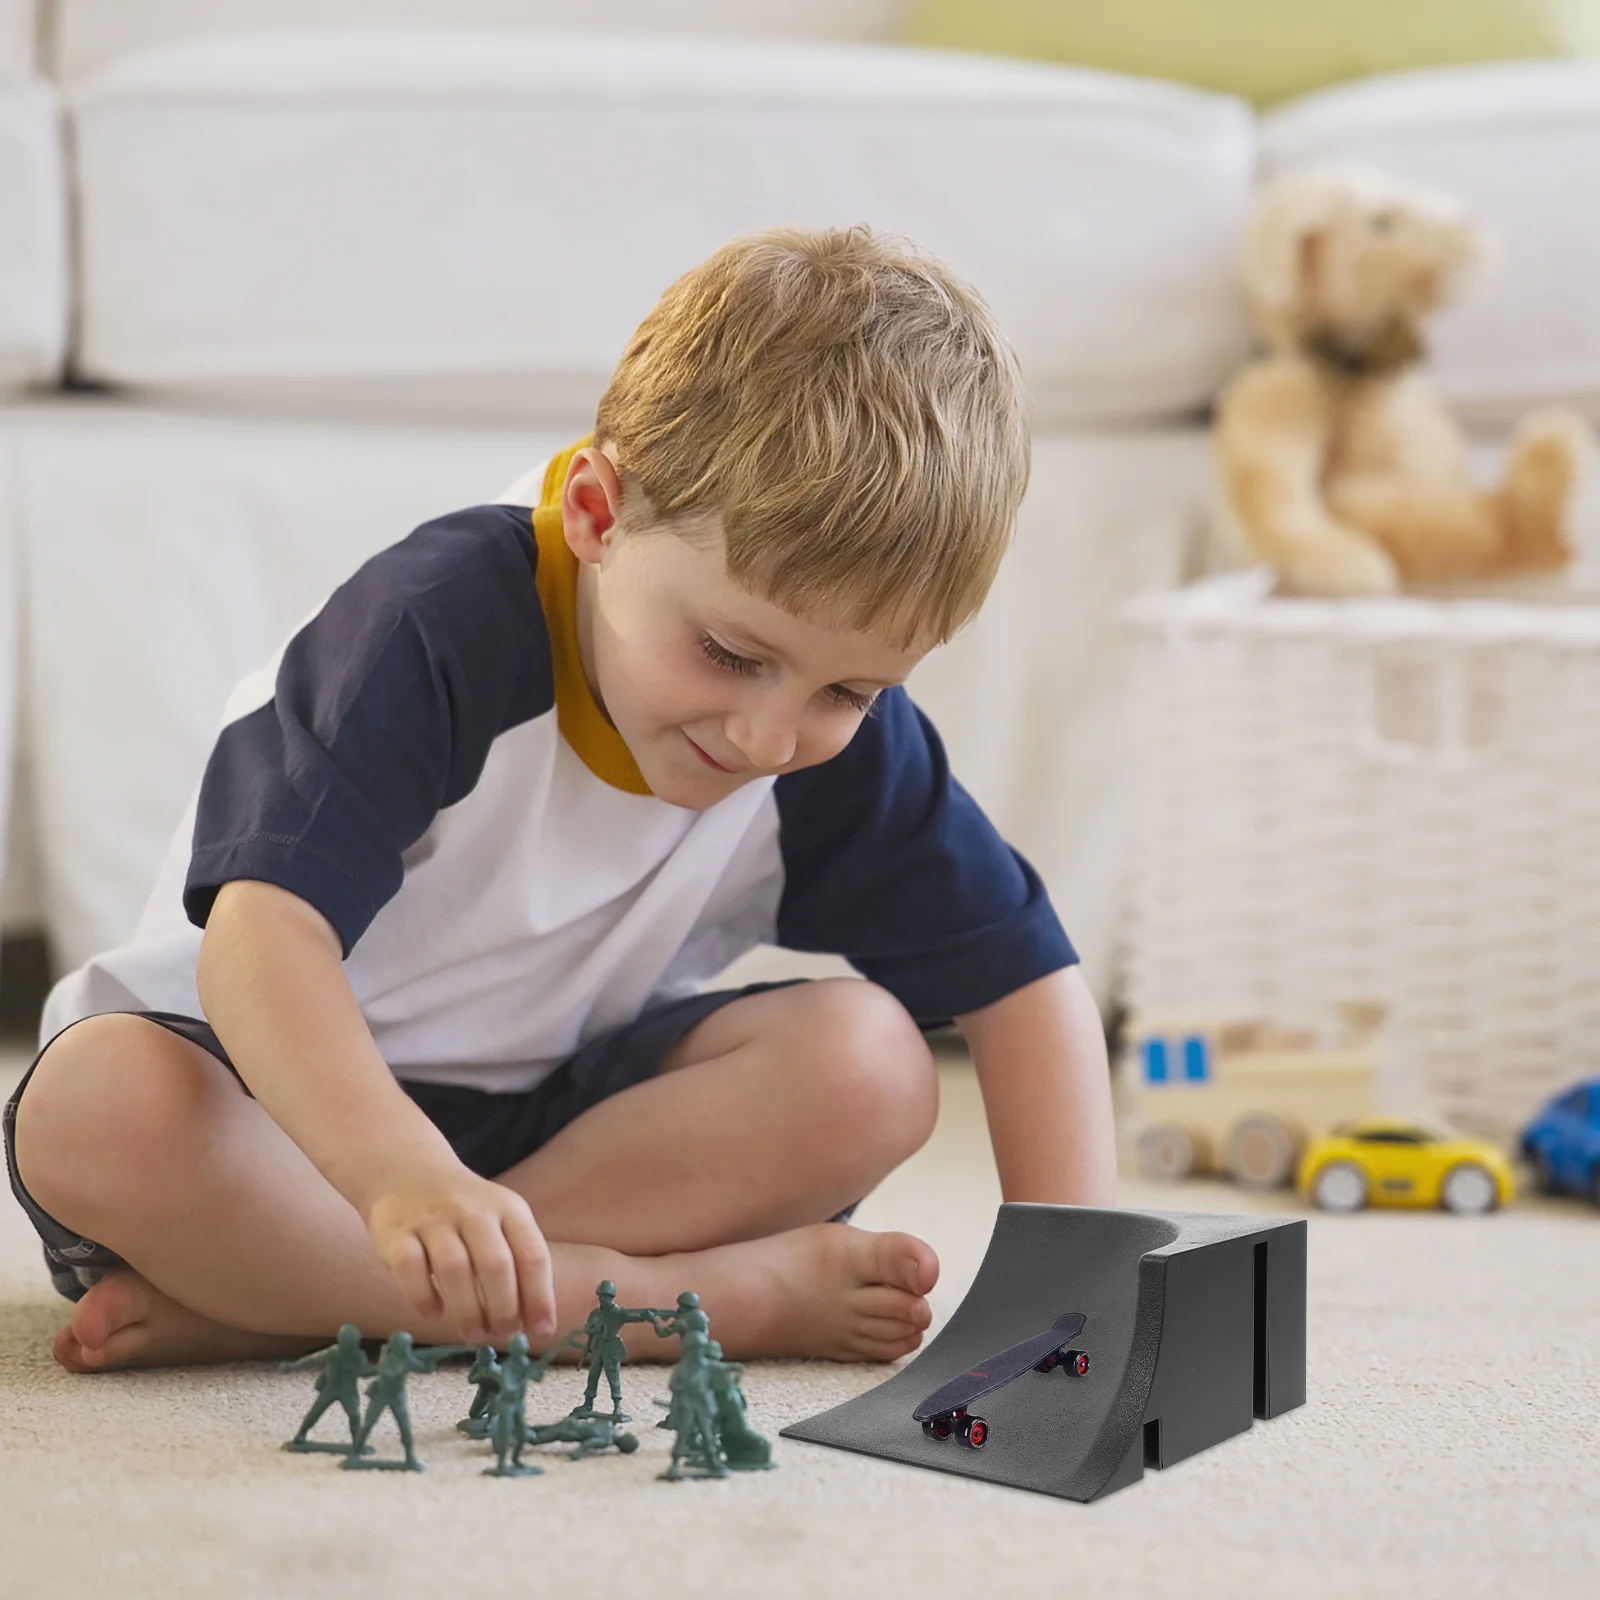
(463, 856)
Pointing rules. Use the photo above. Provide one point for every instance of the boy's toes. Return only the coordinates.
(68, 1352)
(116, 1302)
(888, 1330)
(110, 1325)
(881, 1303)
(887, 1349)
(117, 1351)
(898, 1259)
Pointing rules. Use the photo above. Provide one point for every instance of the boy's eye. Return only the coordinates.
(725, 658)
(731, 661)
(851, 697)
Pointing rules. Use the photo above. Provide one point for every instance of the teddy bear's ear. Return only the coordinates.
(1282, 238)
(1297, 211)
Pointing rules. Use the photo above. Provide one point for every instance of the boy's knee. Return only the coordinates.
(880, 1075)
(109, 1093)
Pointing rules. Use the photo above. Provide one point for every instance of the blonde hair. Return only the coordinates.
(847, 407)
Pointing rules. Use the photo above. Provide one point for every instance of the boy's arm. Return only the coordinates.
(1041, 1059)
(272, 984)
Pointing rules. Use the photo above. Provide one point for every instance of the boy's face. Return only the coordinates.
(709, 685)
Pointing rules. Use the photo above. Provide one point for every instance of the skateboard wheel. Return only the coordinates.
(938, 1428)
(1050, 1362)
(975, 1434)
(1076, 1362)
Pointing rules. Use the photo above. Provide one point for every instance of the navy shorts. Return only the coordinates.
(489, 1132)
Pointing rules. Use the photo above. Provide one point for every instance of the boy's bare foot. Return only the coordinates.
(826, 1290)
(125, 1321)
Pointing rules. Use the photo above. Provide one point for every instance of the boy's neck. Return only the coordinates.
(583, 617)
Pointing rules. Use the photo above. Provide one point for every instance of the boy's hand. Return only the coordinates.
(466, 1249)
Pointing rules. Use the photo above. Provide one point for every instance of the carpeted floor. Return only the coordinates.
(1450, 1447)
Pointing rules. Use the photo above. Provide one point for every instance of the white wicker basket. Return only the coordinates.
(1395, 799)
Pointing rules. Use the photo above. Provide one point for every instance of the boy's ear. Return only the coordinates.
(590, 500)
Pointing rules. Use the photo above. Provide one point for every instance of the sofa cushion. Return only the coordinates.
(1520, 142)
(420, 219)
(33, 261)
(17, 24)
(155, 581)
(89, 34)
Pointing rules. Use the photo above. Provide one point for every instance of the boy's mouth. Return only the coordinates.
(710, 760)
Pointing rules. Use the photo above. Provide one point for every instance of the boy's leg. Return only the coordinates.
(145, 1142)
(782, 1108)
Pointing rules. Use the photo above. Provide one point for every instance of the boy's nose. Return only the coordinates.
(766, 739)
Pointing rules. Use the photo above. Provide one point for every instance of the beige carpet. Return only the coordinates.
(1450, 1447)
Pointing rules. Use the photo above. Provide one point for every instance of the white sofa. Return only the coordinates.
(335, 277)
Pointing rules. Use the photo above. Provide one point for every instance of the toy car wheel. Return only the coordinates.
(975, 1433)
(1340, 1186)
(1259, 1152)
(1166, 1153)
(1050, 1362)
(1469, 1190)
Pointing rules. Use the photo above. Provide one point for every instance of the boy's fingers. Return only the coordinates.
(496, 1274)
(408, 1261)
(451, 1268)
(535, 1285)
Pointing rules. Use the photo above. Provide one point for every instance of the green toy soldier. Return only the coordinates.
(590, 1434)
(486, 1374)
(387, 1392)
(343, 1364)
(508, 1417)
(603, 1348)
(742, 1447)
(692, 1415)
(688, 1318)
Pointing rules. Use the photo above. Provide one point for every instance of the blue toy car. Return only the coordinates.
(1563, 1142)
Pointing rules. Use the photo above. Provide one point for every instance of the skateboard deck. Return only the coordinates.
(1001, 1369)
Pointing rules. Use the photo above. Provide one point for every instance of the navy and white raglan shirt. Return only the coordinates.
(425, 764)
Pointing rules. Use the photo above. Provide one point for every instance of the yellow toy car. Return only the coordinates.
(1387, 1161)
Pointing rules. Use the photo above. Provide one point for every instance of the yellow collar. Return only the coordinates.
(584, 726)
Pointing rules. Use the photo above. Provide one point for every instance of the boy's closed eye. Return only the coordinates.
(746, 666)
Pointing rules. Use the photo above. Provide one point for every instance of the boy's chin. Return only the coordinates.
(692, 793)
(693, 787)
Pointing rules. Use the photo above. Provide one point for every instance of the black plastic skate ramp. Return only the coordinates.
(1196, 1326)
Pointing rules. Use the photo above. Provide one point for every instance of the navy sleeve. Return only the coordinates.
(890, 863)
(383, 712)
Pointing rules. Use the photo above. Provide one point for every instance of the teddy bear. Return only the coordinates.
(1337, 462)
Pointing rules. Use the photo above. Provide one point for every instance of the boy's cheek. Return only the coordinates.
(813, 752)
